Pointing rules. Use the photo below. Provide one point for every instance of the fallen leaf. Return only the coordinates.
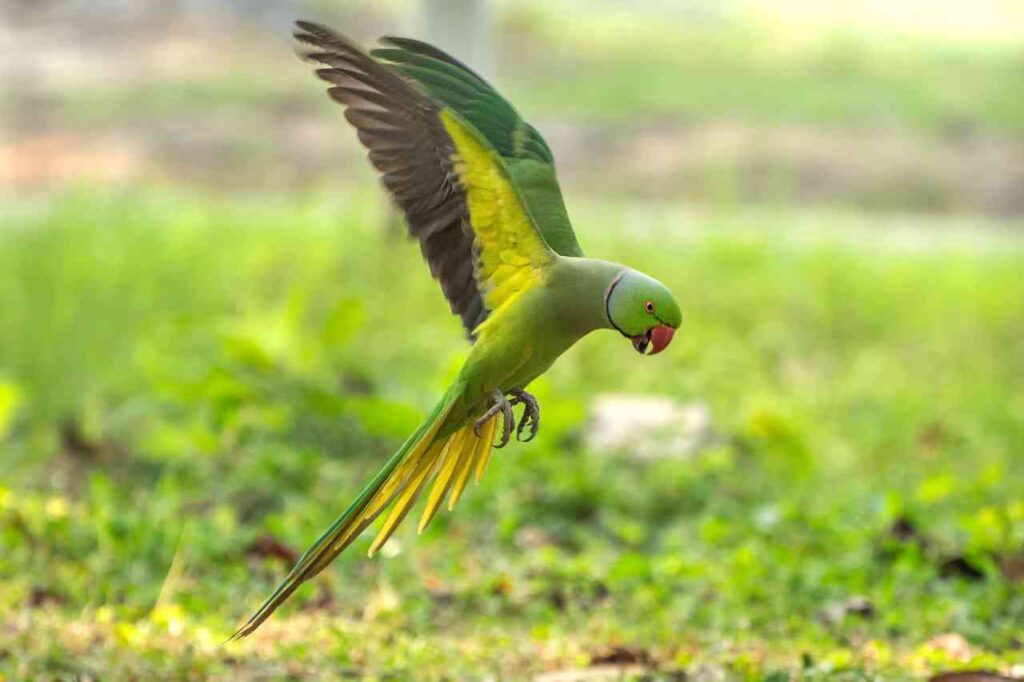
(1012, 567)
(40, 596)
(267, 546)
(960, 567)
(971, 676)
(620, 655)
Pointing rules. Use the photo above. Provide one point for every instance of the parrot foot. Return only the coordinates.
(531, 414)
(500, 404)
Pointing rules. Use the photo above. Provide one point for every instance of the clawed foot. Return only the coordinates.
(531, 414)
(500, 404)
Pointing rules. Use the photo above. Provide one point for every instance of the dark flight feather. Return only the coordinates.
(399, 123)
(526, 154)
(449, 81)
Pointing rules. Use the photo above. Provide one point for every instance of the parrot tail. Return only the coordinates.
(447, 460)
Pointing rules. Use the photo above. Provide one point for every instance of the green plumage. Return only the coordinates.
(478, 189)
(455, 85)
(525, 152)
(339, 535)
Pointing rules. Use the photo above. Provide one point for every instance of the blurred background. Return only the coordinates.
(213, 332)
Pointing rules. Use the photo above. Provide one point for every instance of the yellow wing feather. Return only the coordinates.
(512, 254)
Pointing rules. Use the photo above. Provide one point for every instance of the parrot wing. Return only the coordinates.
(460, 201)
(450, 82)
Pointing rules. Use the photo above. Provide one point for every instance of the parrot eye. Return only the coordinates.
(649, 306)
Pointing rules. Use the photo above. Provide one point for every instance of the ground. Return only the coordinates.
(188, 417)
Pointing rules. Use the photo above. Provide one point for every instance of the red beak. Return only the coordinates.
(655, 338)
(661, 336)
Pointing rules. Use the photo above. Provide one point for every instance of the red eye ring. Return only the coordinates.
(649, 306)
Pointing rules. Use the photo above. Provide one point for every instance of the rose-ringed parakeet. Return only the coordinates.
(477, 186)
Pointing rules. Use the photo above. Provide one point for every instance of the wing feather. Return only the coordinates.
(400, 126)
(528, 156)
(511, 254)
(460, 201)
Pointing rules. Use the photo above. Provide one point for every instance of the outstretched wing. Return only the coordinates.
(458, 197)
(401, 128)
(511, 254)
(451, 82)
(525, 152)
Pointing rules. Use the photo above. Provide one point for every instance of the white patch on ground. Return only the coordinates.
(648, 427)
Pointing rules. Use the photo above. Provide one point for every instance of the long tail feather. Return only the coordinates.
(449, 465)
(443, 480)
(484, 447)
(447, 460)
(461, 473)
(408, 497)
(401, 469)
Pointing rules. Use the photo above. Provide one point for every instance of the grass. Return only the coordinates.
(192, 387)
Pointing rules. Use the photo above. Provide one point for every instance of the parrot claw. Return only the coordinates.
(502, 405)
(531, 414)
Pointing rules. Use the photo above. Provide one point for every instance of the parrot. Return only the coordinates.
(478, 189)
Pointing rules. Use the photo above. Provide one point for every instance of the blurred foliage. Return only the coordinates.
(192, 387)
(767, 74)
(558, 65)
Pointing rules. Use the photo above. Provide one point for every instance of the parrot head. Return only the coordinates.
(643, 310)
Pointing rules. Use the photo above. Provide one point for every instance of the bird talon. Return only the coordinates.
(507, 419)
(499, 404)
(531, 414)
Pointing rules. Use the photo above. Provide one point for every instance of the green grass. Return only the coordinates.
(181, 376)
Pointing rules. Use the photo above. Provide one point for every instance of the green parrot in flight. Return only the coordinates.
(477, 186)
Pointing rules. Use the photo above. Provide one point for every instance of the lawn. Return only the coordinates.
(192, 386)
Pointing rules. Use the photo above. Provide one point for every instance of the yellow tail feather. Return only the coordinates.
(461, 473)
(395, 484)
(448, 463)
(443, 481)
(482, 455)
(408, 496)
(403, 475)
